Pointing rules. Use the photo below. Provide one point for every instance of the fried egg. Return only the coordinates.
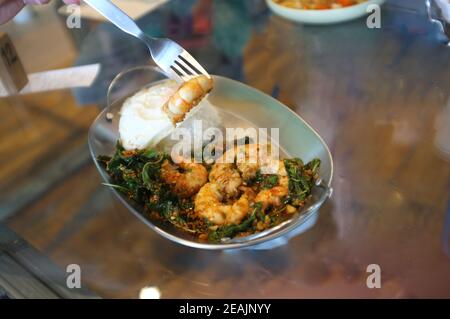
(143, 123)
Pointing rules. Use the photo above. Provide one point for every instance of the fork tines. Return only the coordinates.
(185, 66)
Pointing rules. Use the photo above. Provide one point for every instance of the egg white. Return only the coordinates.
(143, 123)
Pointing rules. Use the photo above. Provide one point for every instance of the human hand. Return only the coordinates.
(9, 8)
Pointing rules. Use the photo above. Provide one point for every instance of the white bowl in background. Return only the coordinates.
(327, 16)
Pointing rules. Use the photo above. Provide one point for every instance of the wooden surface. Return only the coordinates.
(380, 99)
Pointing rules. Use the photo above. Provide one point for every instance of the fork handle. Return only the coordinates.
(119, 18)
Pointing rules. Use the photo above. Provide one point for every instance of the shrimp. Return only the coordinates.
(249, 159)
(226, 177)
(208, 204)
(272, 197)
(186, 97)
(184, 180)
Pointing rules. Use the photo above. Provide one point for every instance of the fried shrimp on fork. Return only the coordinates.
(186, 97)
(185, 179)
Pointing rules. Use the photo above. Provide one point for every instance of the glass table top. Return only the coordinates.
(380, 98)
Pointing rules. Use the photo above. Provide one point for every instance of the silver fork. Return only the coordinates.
(175, 61)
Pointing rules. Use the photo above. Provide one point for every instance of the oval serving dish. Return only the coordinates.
(296, 138)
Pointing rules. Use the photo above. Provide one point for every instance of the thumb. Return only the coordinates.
(9, 8)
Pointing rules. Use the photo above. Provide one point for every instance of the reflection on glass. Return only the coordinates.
(442, 137)
(150, 293)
